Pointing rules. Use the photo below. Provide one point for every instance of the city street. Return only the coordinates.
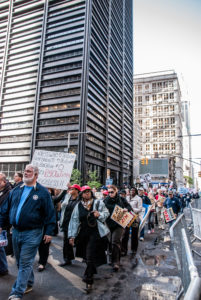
(152, 272)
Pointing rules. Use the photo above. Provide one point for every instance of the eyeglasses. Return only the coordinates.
(112, 192)
(87, 191)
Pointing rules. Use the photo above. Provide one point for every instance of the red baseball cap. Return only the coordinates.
(75, 186)
(105, 193)
(85, 187)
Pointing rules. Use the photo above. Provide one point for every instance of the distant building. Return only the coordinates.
(157, 109)
(187, 164)
(66, 67)
(137, 148)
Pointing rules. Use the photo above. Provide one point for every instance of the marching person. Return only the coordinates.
(87, 226)
(174, 203)
(67, 207)
(29, 208)
(5, 188)
(116, 231)
(145, 201)
(160, 199)
(18, 179)
(136, 204)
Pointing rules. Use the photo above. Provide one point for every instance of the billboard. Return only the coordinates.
(157, 167)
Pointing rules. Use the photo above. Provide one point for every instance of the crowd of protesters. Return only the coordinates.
(34, 214)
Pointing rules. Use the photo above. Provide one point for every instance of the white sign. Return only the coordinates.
(55, 168)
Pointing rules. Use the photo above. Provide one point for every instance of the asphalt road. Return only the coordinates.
(153, 272)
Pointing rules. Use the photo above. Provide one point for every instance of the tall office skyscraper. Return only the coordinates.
(66, 67)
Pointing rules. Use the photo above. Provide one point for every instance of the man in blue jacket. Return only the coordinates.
(174, 203)
(30, 211)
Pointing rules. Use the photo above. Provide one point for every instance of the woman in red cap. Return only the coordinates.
(88, 219)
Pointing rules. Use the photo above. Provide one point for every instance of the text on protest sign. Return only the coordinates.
(55, 168)
(120, 217)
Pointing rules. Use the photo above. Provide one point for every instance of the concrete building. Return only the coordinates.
(157, 108)
(137, 148)
(187, 152)
(66, 68)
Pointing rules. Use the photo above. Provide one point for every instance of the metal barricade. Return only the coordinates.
(183, 254)
(195, 209)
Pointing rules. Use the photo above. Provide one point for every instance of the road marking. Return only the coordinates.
(75, 280)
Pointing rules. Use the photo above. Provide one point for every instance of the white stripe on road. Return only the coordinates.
(75, 280)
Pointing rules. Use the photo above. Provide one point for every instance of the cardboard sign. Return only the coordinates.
(120, 217)
(169, 215)
(3, 239)
(55, 168)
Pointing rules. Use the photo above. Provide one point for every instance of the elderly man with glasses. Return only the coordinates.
(30, 210)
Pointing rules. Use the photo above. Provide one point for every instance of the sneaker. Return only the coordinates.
(149, 231)
(13, 297)
(141, 239)
(152, 231)
(28, 289)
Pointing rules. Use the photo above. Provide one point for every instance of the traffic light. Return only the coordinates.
(142, 161)
(199, 174)
(146, 160)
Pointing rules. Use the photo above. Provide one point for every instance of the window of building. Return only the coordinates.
(170, 84)
(172, 108)
(167, 133)
(160, 134)
(154, 86)
(173, 133)
(59, 121)
(140, 100)
(173, 146)
(154, 97)
(139, 111)
(146, 87)
(171, 95)
(154, 134)
(147, 99)
(172, 120)
(154, 109)
(147, 147)
(155, 147)
(147, 124)
(59, 107)
(147, 111)
(161, 146)
(147, 136)
(165, 96)
(167, 146)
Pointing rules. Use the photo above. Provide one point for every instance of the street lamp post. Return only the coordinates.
(68, 139)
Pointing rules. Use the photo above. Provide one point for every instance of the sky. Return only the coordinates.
(167, 36)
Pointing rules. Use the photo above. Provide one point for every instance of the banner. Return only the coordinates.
(122, 218)
(169, 215)
(146, 209)
(55, 168)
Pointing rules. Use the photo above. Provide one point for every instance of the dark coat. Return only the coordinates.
(36, 212)
(110, 204)
(3, 196)
(174, 203)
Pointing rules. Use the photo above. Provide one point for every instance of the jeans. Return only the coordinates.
(3, 261)
(25, 245)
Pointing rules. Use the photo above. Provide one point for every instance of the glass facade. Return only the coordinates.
(67, 68)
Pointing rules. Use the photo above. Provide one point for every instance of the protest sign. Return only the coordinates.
(3, 239)
(55, 168)
(169, 215)
(120, 217)
(147, 209)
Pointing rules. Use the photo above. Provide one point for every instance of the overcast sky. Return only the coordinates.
(167, 36)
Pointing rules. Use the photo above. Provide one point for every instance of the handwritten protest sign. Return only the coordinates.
(169, 215)
(120, 217)
(55, 168)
